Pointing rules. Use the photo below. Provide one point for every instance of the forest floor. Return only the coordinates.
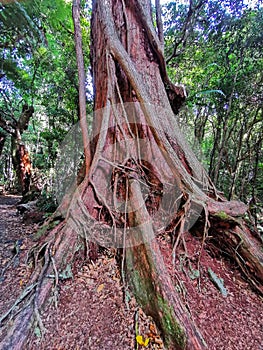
(91, 313)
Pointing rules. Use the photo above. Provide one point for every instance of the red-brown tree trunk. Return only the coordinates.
(22, 165)
(23, 168)
(20, 156)
(134, 105)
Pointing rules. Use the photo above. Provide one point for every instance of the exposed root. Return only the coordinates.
(39, 288)
(181, 222)
(24, 295)
(205, 233)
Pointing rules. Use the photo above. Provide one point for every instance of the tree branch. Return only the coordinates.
(23, 121)
(159, 22)
(7, 126)
(192, 11)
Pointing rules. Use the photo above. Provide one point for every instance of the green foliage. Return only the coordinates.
(38, 67)
(219, 59)
(46, 202)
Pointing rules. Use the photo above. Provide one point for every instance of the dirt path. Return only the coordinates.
(7, 210)
(14, 243)
(13, 238)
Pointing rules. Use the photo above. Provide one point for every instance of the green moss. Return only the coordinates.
(66, 273)
(173, 331)
(222, 215)
(43, 230)
(155, 305)
(142, 288)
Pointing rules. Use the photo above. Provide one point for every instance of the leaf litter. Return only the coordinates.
(91, 312)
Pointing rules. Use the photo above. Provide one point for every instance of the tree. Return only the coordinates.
(82, 82)
(224, 103)
(141, 169)
(2, 141)
(37, 65)
(18, 39)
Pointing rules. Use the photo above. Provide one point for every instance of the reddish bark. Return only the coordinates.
(24, 169)
(20, 156)
(128, 66)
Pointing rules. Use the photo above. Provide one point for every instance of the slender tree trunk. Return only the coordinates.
(159, 22)
(215, 149)
(235, 168)
(82, 82)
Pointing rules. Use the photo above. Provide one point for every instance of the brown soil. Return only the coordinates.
(91, 311)
(232, 322)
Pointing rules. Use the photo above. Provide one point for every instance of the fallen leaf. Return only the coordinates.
(158, 340)
(100, 287)
(37, 332)
(153, 328)
(141, 342)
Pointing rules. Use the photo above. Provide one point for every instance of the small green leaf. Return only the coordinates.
(37, 332)
(208, 92)
(194, 274)
(218, 282)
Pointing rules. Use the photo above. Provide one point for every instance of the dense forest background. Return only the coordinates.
(213, 48)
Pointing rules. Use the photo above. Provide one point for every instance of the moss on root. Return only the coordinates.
(222, 215)
(44, 229)
(155, 305)
(172, 329)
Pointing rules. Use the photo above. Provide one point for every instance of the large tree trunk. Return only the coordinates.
(129, 77)
(143, 179)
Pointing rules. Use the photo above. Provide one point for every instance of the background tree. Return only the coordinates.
(39, 70)
(225, 86)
